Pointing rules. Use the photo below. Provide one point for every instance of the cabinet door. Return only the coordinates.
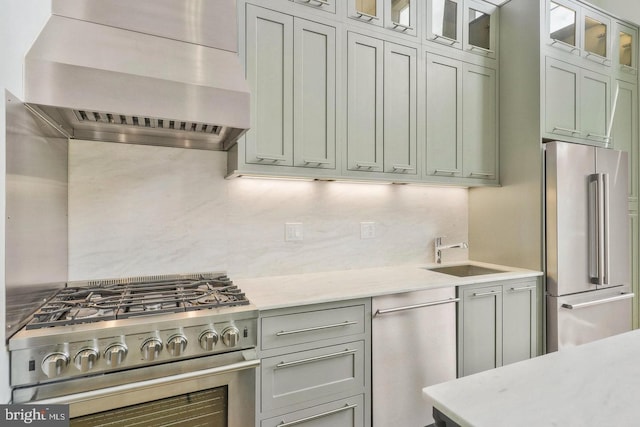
(625, 50)
(480, 341)
(561, 98)
(625, 130)
(519, 330)
(270, 77)
(480, 21)
(444, 116)
(370, 11)
(365, 103)
(314, 95)
(596, 29)
(444, 22)
(594, 106)
(479, 130)
(400, 109)
(401, 16)
(562, 25)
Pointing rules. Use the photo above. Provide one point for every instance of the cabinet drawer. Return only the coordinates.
(342, 413)
(307, 375)
(311, 326)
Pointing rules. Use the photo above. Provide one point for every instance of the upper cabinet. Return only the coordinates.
(625, 51)
(396, 15)
(471, 25)
(575, 29)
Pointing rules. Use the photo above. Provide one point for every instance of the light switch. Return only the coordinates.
(367, 230)
(293, 232)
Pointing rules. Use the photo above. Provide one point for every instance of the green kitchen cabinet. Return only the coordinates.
(381, 107)
(497, 324)
(291, 70)
(462, 120)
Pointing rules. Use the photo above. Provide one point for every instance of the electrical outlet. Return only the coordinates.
(367, 230)
(293, 232)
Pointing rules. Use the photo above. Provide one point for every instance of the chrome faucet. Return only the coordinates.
(439, 246)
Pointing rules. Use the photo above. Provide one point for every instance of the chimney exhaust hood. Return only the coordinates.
(155, 72)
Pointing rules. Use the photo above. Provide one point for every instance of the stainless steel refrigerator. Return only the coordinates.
(587, 244)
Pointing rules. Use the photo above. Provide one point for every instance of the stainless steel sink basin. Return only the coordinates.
(465, 270)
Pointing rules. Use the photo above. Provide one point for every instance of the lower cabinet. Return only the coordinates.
(315, 365)
(497, 324)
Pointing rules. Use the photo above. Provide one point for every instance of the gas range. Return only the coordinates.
(103, 326)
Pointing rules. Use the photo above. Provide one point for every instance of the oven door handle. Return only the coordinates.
(79, 397)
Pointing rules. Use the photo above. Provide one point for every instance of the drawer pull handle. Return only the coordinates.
(401, 27)
(565, 45)
(366, 16)
(481, 174)
(368, 165)
(270, 158)
(321, 2)
(447, 39)
(622, 296)
(524, 288)
(485, 294)
(315, 359)
(315, 417)
(571, 131)
(403, 168)
(318, 162)
(317, 328)
(412, 307)
(445, 172)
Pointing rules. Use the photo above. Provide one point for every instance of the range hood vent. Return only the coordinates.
(99, 71)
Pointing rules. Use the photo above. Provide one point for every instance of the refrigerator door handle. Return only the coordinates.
(599, 233)
(606, 247)
(622, 296)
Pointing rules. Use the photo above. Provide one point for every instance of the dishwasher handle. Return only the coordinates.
(414, 306)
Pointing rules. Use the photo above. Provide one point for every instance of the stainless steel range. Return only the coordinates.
(122, 345)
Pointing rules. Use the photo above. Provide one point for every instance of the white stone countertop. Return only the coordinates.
(595, 384)
(273, 292)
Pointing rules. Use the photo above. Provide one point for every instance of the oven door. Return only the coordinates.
(187, 394)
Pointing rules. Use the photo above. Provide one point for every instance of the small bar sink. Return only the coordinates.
(465, 270)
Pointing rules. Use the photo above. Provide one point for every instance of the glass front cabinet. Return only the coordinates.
(396, 15)
(625, 51)
(579, 30)
(463, 24)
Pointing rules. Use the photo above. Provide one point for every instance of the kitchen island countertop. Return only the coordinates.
(274, 292)
(595, 384)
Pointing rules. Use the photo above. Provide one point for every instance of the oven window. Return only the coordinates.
(201, 408)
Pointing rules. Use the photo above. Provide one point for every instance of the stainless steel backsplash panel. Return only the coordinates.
(36, 227)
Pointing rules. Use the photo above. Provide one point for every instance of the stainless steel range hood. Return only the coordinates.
(157, 72)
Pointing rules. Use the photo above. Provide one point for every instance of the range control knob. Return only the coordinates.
(54, 364)
(85, 359)
(230, 336)
(176, 345)
(115, 354)
(151, 349)
(208, 339)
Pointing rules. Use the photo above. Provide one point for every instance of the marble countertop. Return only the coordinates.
(595, 384)
(273, 292)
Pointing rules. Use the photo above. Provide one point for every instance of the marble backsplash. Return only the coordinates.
(138, 210)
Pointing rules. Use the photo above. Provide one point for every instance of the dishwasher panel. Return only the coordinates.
(413, 346)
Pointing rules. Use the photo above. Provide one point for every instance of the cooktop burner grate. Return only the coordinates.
(125, 298)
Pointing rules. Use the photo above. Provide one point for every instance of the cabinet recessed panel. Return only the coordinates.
(595, 106)
(561, 98)
(270, 76)
(444, 111)
(314, 95)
